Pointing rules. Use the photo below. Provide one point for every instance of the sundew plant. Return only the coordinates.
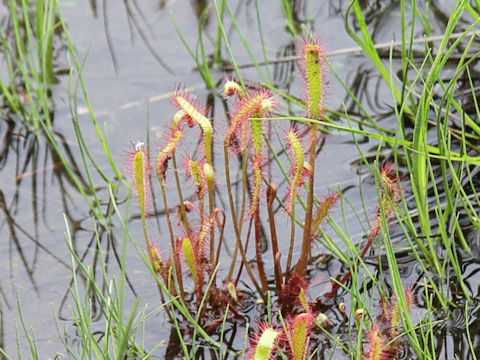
(248, 251)
(191, 268)
(264, 146)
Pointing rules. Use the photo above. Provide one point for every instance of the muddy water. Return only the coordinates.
(133, 58)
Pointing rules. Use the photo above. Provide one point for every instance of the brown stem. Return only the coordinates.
(236, 225)
(271, 194)
(292, 241)
(247, 241)
(237, 229)
(176, 257)
(201, 205)
(247, 265)
(183, 212)
(150, 257)
(258, 251)
(301, 268)
(212, 231)
(221, 226)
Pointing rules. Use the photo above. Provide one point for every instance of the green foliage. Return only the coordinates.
(427, 194)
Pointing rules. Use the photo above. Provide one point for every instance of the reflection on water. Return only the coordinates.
(145, 58)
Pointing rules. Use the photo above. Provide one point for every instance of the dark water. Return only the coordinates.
(133, 59)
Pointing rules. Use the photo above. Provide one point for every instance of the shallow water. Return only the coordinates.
(133, 58)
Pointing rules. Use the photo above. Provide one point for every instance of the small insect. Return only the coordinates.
(139, 145)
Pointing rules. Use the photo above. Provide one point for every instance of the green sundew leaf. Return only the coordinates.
(299, 341)
(249, 108)
(196, 172)
(202, 121)
(140, 179)
(167, 151)
(302, 297)
(266, 344)
(257, 183)
(190, 258)
(314, 76)
(298, 159)
(257, 136)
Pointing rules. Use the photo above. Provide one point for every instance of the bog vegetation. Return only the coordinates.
(252, 259)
